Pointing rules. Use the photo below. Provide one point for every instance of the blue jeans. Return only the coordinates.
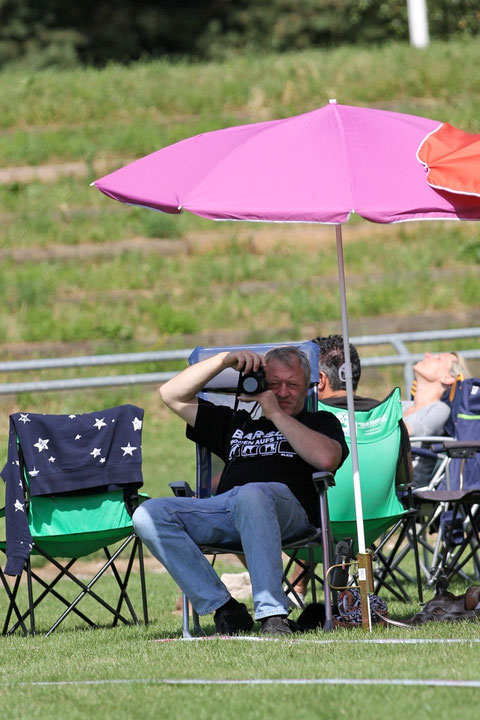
(256, 516)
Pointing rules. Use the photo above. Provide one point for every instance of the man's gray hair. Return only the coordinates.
(287, 355)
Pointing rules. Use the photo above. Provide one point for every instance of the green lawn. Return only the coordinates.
(49, 677)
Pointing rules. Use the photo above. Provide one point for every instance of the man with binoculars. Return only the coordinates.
(265, 495)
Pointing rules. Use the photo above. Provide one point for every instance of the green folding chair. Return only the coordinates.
(379, 439)
(380, 450)
(64, 528)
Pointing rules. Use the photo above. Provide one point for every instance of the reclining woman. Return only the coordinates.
(427, 413)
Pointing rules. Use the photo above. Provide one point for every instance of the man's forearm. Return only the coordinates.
(179, 393)
(317, 449)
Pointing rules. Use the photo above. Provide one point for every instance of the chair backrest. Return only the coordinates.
(221, 391)
(378, 441)
(65, 473)
(464, 424)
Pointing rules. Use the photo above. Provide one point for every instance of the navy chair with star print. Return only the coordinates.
(71, 485)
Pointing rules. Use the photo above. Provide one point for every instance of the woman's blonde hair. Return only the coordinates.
(459, 367)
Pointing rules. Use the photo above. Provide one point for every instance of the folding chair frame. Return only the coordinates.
(407, 525)
(386, 574)
(86, 589)
(448, 558)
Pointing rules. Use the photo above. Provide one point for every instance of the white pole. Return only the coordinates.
(350, 406)
(418, 23)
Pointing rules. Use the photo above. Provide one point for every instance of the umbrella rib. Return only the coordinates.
(339, 122)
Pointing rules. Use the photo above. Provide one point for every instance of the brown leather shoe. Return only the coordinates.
(275, 625)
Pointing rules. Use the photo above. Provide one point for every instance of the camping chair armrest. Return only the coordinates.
(323, 480)
(453, 448)
(181, 488)
(460, 448)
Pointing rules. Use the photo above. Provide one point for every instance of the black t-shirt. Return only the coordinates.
(255, 451)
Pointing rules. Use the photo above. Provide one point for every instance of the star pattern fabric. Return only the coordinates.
(128, 450)
(41, 444)
(91, 450)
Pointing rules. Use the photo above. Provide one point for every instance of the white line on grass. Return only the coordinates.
(336, 641)
(259, 681)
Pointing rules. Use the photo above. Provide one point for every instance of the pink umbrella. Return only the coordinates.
(317, 167)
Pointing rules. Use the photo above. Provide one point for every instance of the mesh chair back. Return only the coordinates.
(378, 438)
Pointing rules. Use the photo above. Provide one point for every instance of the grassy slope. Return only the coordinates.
(69, 286)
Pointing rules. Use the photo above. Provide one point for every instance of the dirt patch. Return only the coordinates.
(375, 325)
(88, 251)
(51, 173)
(258, 241)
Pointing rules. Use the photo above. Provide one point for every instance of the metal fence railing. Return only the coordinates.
(402, 356)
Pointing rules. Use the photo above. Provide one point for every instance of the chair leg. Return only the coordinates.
(311, 573)
(197, 629)
(387, 571)
(137, 547)
(12, 605)
(49, 588)
(306, 570)
(88, 589)
(186, 634)
(122, 584)
(324, 519)
(417, 558)
(449, 562)
(30, 597)
(64, 571)
(460, 557)
(143, 586)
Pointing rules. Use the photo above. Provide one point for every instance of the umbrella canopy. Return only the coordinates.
(316, 167)
(451, 158)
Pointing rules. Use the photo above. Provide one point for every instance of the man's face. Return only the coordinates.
(435, 366)
(288, 385)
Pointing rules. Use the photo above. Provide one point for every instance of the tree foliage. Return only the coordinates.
(42, 33)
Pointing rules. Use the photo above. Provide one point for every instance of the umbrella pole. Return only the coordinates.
(364, 558)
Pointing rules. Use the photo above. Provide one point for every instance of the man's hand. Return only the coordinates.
(179, 393)
(244, 360)
(315, 448)
(267, 401)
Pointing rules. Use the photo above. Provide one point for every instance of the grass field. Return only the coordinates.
(140, 672)
(82, 274)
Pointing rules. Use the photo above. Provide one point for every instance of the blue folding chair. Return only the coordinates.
(221, 391)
